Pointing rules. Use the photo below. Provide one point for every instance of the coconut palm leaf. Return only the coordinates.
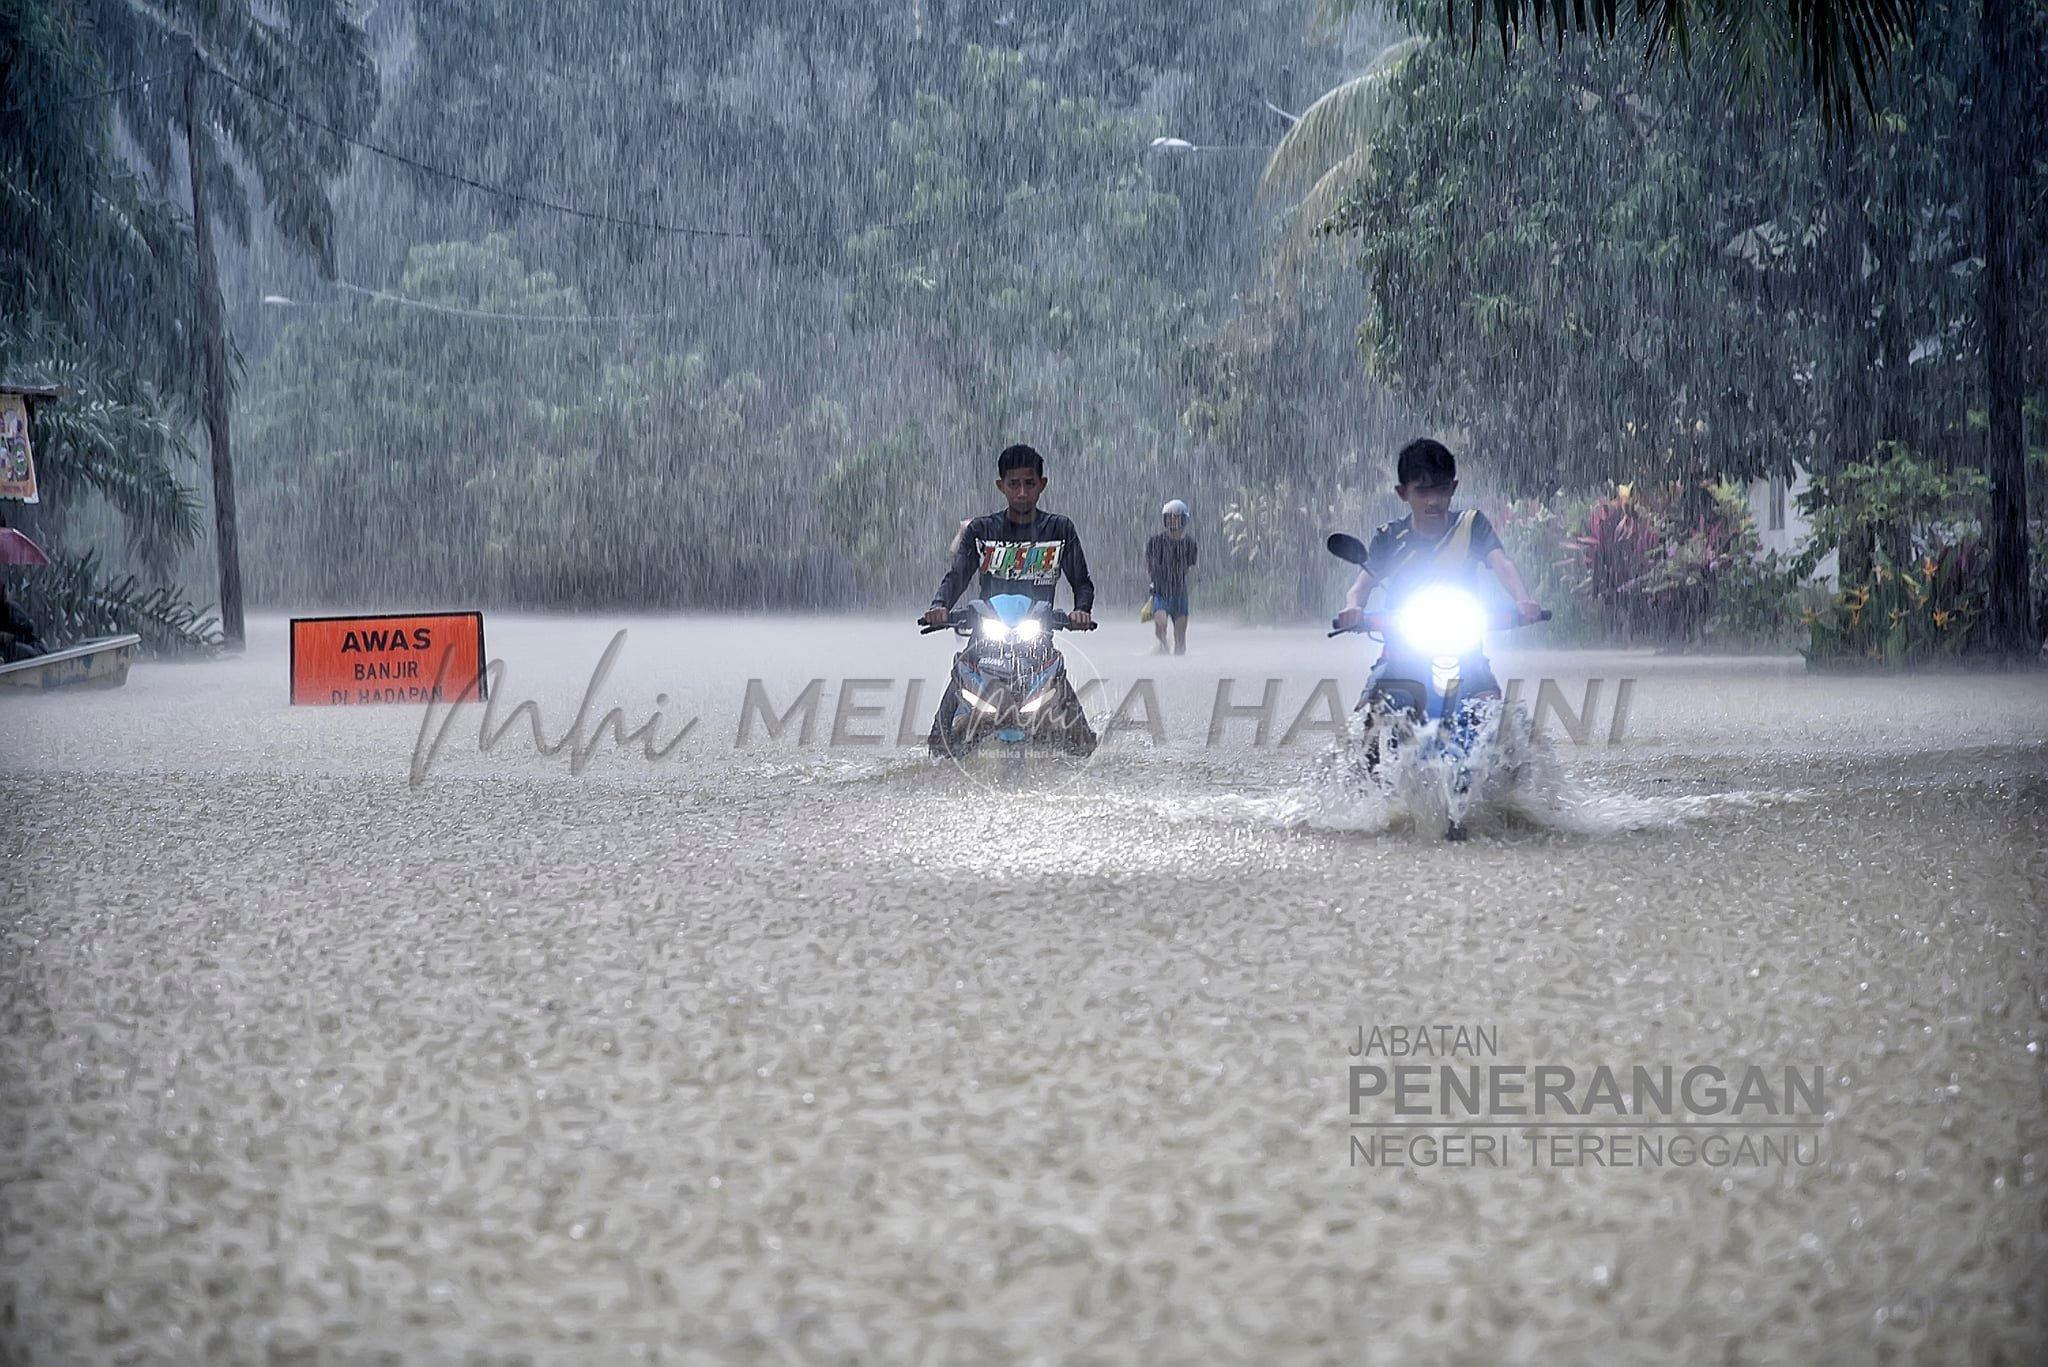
(120, 451)
(1342, 121)
(1326, 194)
(1840, 44)
(1307, 217)
(270, 73)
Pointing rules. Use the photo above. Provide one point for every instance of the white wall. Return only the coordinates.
(1775, 501)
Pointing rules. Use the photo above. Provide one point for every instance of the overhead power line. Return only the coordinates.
(38, 109)
(502, 191)
(386, 297)
(892, 263)
(614, 220)
(988, 217)
(390, 298)
(987, 214)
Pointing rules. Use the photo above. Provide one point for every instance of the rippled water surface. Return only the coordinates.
(323, 1044)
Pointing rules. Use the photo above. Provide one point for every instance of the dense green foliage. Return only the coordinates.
(1592, 268)
(1587, 266)
(98, 305)
(1838, 47)
(104, 299)
(532, 465)
(965, 245)
(821, 261)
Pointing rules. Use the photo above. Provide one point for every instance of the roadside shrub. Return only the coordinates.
(1928, 611)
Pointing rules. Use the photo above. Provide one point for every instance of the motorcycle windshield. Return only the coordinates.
(1012, 608)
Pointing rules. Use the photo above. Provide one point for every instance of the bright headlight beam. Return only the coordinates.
(1030, 629)
(993, 629)
(1442, 620)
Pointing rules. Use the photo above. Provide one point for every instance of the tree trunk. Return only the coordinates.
(2005, 458)
(1845, 299)
(213, 361)
(1893, 356)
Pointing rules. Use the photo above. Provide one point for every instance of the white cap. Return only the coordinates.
(1175, 508)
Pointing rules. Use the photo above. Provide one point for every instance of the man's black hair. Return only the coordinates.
(1019, 455)
(1425, 460)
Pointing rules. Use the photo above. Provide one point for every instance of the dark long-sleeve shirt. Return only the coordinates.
(1018, 557)
(1168, 561)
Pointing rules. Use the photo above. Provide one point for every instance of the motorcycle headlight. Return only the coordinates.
(1442, 620)
(1030, 629)
(992, 629)
(980, 703)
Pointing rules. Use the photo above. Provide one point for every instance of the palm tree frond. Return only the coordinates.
(1842, 44)
(1341, 121)
(119, 451)
(69, 601)
(1322, 200)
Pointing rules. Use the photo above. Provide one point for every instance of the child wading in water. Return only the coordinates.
(1169, 555)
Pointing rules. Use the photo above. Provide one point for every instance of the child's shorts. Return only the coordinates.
(1176, 606)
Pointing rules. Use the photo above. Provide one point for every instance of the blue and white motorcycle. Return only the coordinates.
(1422, 737)
(1009, 686)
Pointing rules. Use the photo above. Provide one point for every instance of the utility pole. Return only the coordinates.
(213, 364)
(2010, 617)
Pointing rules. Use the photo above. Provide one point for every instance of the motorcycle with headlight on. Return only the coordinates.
(1009, 686)
(1419, 720)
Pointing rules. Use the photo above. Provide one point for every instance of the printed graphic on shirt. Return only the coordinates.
(1036, 562)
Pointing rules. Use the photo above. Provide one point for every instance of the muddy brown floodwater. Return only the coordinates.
(795, 1052)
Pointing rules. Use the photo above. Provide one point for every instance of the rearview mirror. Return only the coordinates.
(1346, 547)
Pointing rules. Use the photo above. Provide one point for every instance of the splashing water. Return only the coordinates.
(1509, 776)
(1439, 777)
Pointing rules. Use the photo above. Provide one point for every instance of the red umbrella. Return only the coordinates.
(16, 549)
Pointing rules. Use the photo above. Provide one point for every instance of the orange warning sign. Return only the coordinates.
(412, 657)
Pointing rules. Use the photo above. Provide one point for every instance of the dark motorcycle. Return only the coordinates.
(1009, 686)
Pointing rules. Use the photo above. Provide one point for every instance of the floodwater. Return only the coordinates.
(321, 1044)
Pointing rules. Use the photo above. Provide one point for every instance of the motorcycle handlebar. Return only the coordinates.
(958, 620)
(1371, 622)
(1375, 621)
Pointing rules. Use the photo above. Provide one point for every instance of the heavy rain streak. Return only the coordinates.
(1124, 681)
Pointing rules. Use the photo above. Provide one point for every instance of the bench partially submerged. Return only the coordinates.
(101, 663)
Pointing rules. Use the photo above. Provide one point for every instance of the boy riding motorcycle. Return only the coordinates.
(1023, 551)
(1430, 546)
